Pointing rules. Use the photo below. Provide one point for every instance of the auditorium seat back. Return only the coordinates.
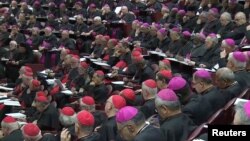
(197, 132)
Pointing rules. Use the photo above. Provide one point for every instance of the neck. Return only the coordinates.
(11, 131)
(173, 113)
(207, 87)
(111, 114)
(237, 69)
(140, 128)
(83, 134)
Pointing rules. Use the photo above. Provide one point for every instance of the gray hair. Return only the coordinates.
(172, 105)
(237, 64)
(10, 126)
(151, 91)
(213, 39)
(239, 110)
(97, 18)
(225, 74)
(227, 15)
(13, 42)
(67, 120)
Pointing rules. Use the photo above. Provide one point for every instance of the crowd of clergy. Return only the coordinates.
(121, 70)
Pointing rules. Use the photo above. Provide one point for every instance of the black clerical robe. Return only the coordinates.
(91, 137)
(177, 127)
(48, 119)
(214, 98)
(144, 74)
(100, 117)
(210, 57)
(197, 52)
(243, 78)
(198, 109)
(99, 92)
(150, 133)
(148, 108)
(231, 92)
(108, 130)
(15, 135)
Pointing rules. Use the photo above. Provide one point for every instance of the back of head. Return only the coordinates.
(8, 125)
(31, 132)
(236, 61)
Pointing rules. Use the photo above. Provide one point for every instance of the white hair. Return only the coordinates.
(227, 15)
(10, 126)
(67, 120)
(13, 42)
(151, 91)
(240, 112)
(172, 105)
(237, 64)
(97, 18)
(213, 39)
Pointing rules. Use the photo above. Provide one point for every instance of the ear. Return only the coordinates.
(131, 128)
(165, 110)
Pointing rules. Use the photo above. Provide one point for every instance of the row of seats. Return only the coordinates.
(223, 116)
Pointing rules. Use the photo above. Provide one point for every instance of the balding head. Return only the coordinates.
(224, 77)
(240, 18)
(65, 34)
(124, 9)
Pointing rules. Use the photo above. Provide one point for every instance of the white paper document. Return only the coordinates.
(17, 115)
(82, 59)
(118, 82)
(50, 81)
(118, 9)
(239, 100)
(101, 64)
(11, 103)
(67, 92)
(174, 59)
(6, 89)
(210, 70)
(158, 53)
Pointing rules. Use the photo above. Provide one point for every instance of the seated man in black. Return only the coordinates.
(47, 114)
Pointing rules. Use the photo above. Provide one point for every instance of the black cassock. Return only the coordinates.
(108, 130)
(91, 137)
(100, 117)
(214, 98)
(150, 133)
(242, 77)
(148, 108)
(177, 127)
(99, 92)
(48, 119)
(231, 92)
(198, 109)
(15, 135)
